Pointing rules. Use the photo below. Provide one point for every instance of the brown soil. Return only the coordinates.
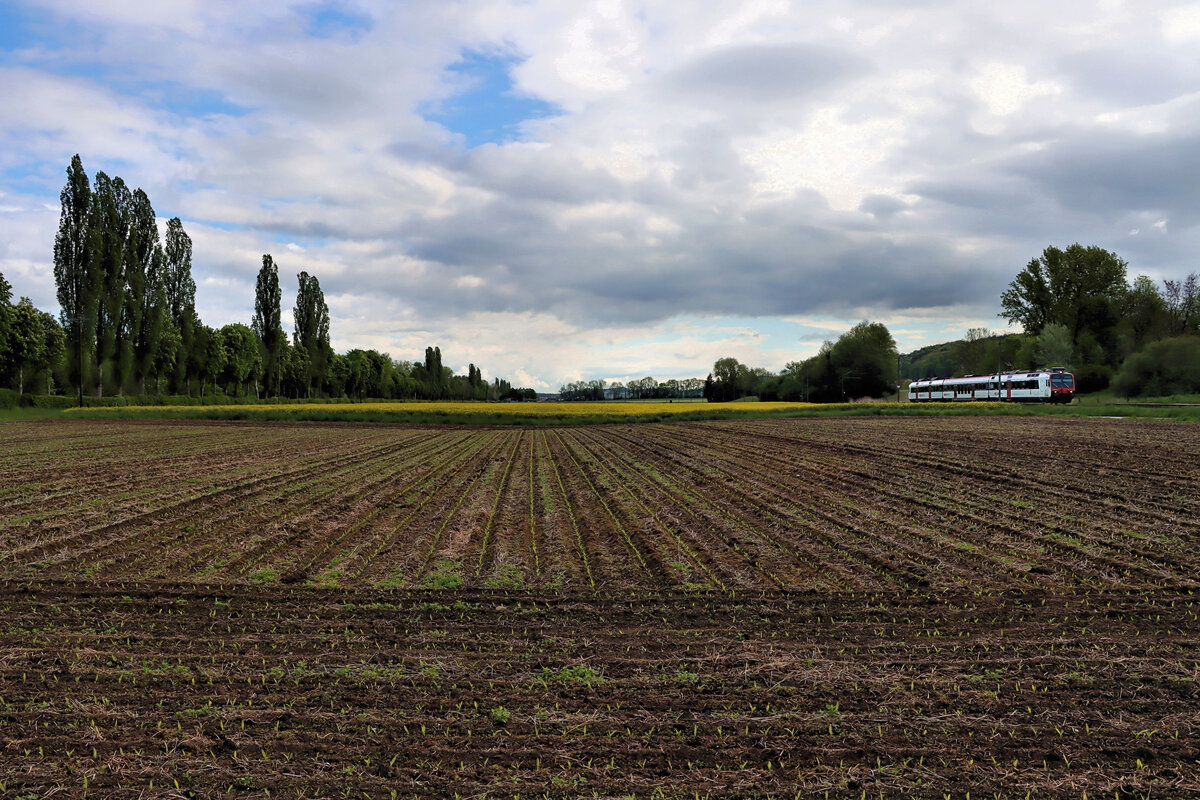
(891, 607)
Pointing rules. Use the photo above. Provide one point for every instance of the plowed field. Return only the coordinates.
(895, 607)
(840, 505)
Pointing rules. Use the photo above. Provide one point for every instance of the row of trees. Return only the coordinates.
(647, 388)
(127, 301)
(128, 321)
(31, 342)
(861, 363)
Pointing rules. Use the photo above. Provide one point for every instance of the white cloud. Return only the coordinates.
(1005, 88)
(1181, 25)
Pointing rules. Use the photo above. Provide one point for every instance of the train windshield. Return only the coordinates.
(1062, 381)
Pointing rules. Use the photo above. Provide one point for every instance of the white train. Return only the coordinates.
(1052, 385)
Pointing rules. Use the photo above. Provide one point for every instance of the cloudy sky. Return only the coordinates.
(574, 190)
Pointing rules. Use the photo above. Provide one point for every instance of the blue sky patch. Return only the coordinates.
(332, 20)
(184, 100)
(22, 28)
(36, 180)
(489, 109)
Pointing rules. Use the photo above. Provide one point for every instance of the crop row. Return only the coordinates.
(130, 690)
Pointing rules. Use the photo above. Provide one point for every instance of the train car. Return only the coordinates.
(1053, 385)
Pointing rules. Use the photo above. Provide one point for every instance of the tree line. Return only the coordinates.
(862, 362)
(128, 322)
(647, 388)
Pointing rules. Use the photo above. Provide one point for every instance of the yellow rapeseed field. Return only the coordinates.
(581, 409)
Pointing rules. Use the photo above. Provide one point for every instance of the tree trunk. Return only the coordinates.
(20, 381)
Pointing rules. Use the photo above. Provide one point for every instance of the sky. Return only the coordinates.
(607, 190)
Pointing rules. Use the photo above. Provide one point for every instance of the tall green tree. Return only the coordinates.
(145, 293)
(7, 323)
(167, 353)
(1079, 287)
(108, 230)
(267, 297)
(177, 281)
(864, 361)
(311, 317)
(73, 277)
(1144, 316)
(731, 379)
(1183, 304)
(208, 356)
(296, 369)
(179, 296)
(1054, 347)
(435, 379)
(243, 359)
(27, 343)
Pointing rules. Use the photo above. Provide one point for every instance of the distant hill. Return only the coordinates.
(975, 356)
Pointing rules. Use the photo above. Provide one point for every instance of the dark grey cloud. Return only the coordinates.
(790, 257)
(708, 162)
(1138, 77)
(777, 73)
(1112, 173)
(537, 175)
(881, 206)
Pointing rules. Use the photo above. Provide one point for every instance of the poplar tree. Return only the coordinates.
(311, 317)
(179, 292)
(144, 291)
(108, 217)
(9, 348)
(267, 297)
(73, 276)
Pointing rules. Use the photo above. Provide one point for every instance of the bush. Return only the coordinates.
(8, 398)
(1167, 367)
(1092, 378)
(119, 401)
(49, 401)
